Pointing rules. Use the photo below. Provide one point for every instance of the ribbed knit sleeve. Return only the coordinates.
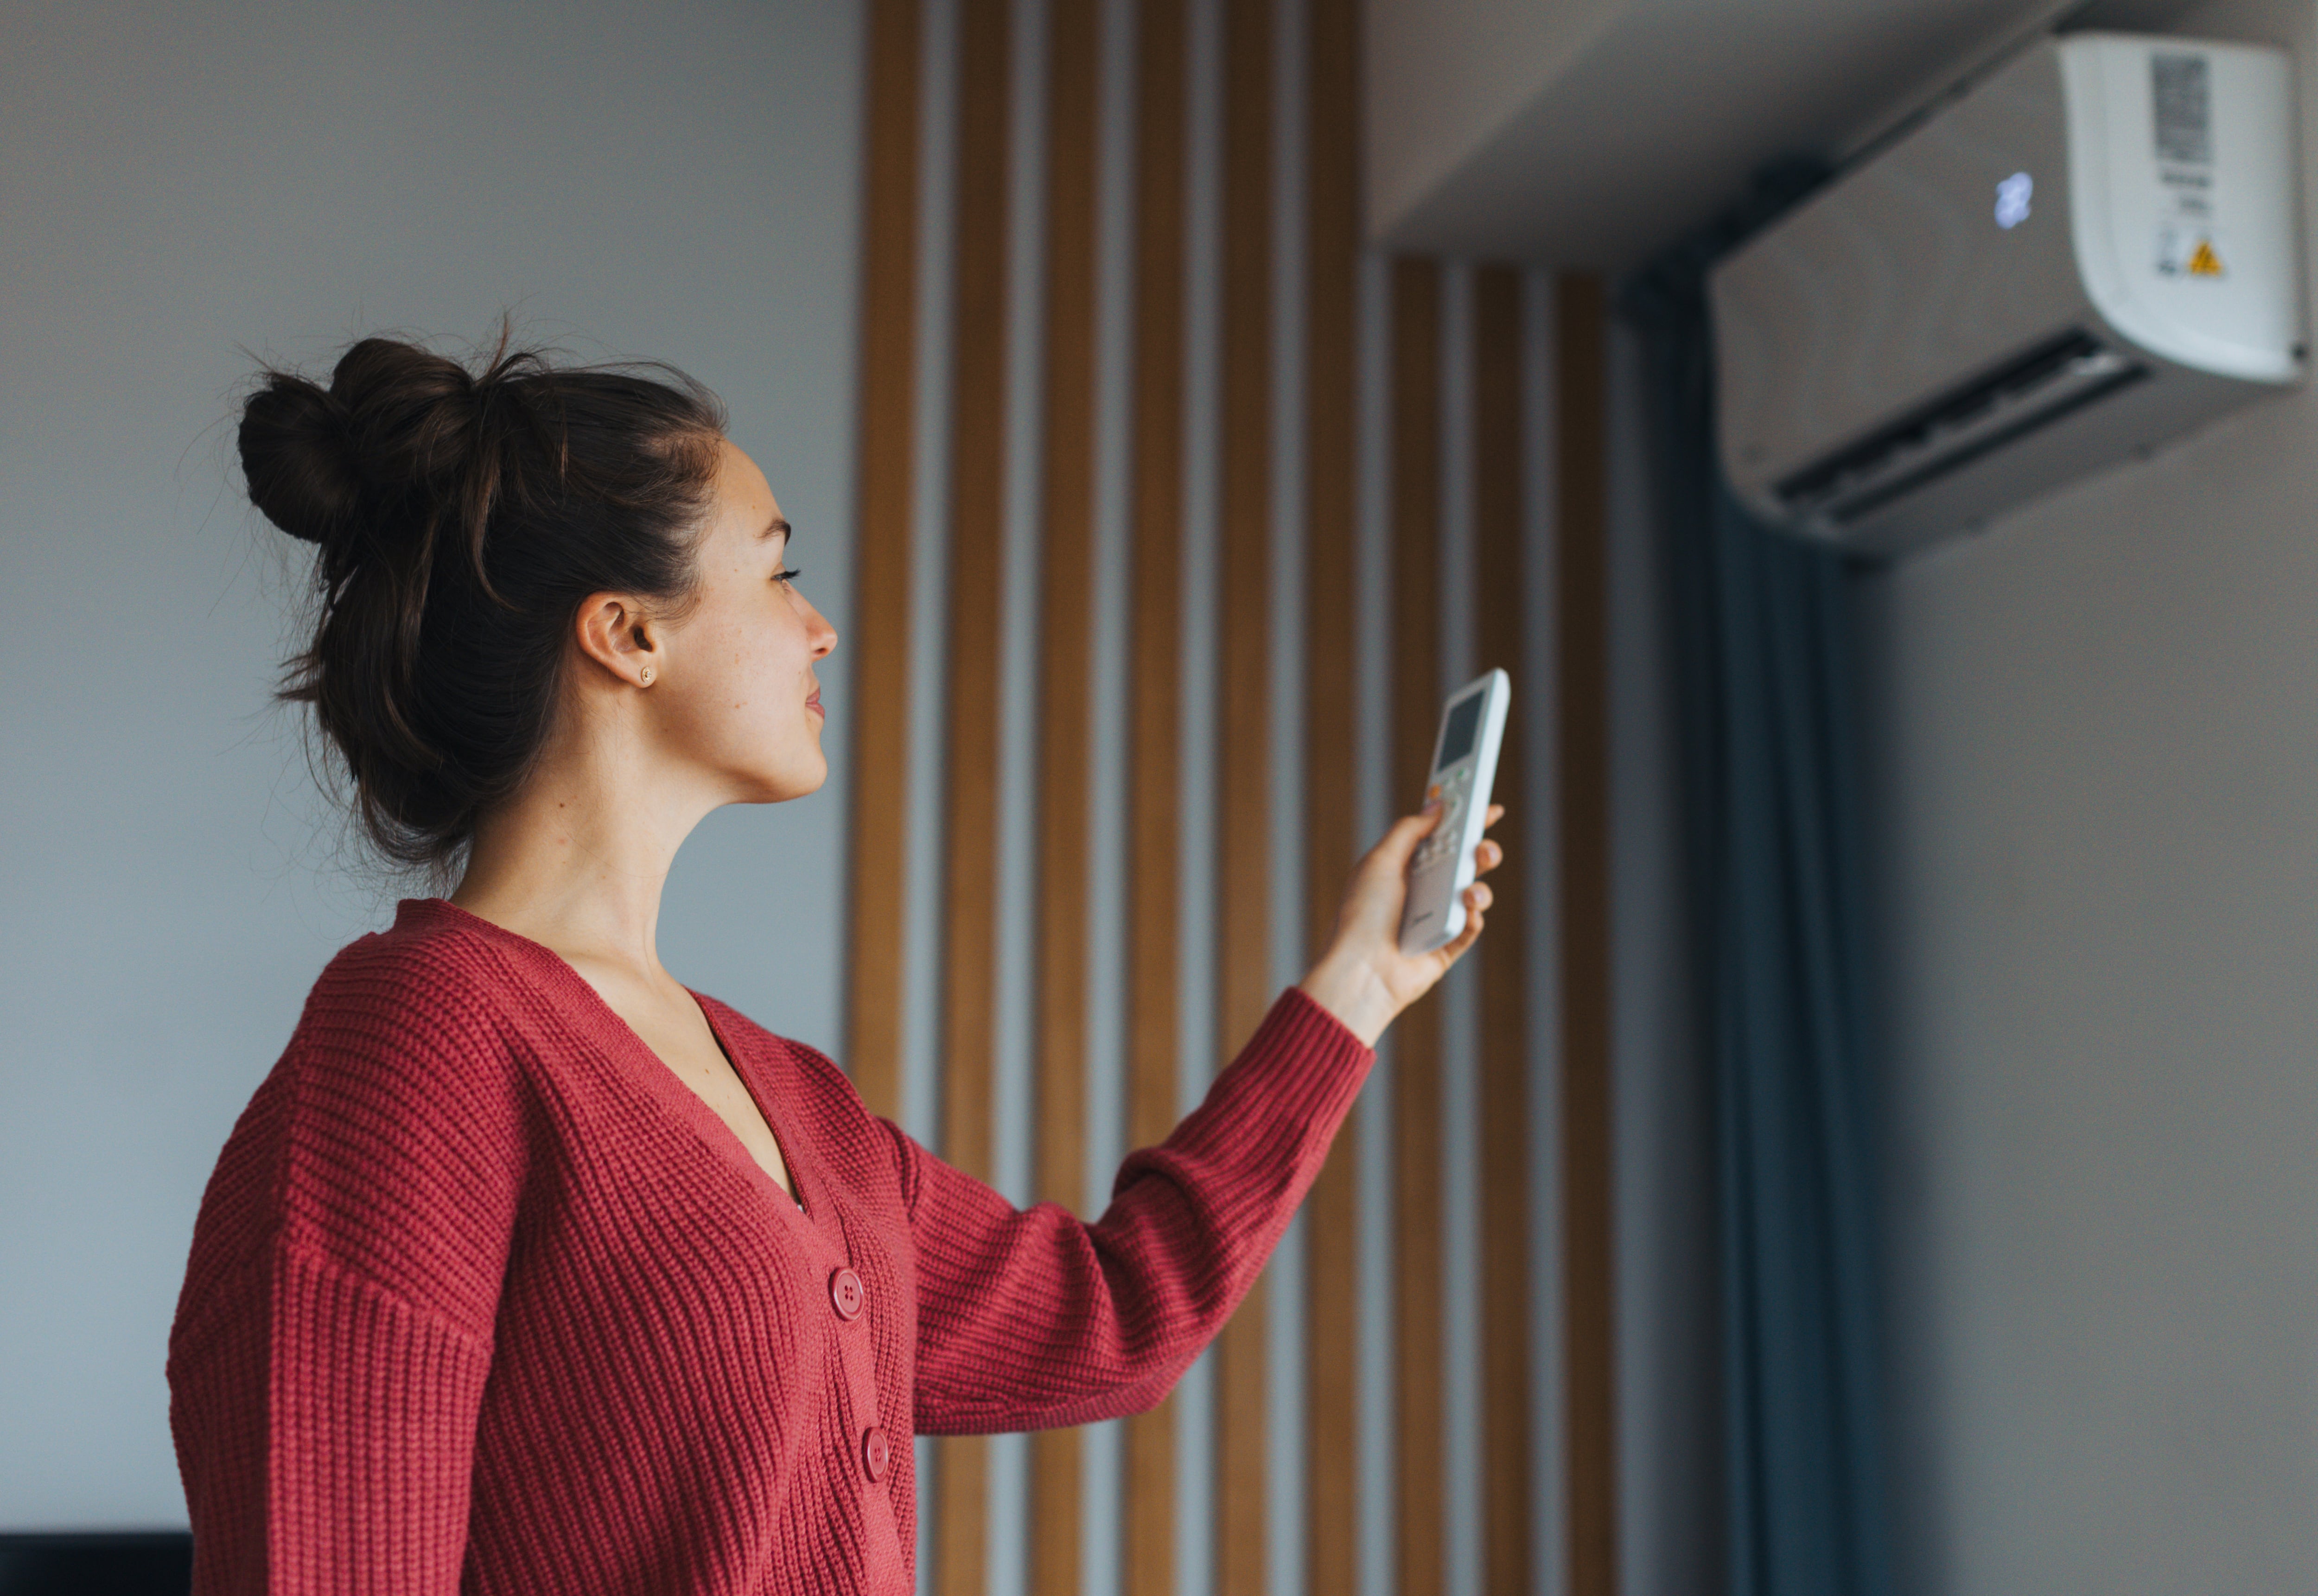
(1031, 1319)
(335, 1332)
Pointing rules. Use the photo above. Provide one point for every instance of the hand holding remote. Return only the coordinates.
(1364, 978)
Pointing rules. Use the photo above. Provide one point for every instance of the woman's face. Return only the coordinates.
(738, 695)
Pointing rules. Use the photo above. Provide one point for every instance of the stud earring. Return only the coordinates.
(645, 676)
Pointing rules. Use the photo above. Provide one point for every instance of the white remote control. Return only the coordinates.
(1464, 764)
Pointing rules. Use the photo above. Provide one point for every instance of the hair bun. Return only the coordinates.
(397, 422)
(297, 454)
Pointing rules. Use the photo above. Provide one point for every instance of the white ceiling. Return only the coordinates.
(1591, 132)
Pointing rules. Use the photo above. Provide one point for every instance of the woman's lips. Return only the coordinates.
(813, 704)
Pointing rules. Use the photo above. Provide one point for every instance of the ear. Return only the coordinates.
(617, 634)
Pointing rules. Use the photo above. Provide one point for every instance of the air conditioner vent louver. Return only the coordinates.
(1957, 428)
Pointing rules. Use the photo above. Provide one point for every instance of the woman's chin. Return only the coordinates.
(802, 780)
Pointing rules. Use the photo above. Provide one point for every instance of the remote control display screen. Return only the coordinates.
(1464, 722)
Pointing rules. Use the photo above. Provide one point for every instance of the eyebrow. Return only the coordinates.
(778, 525)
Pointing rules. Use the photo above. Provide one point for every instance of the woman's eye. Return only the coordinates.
(788, 575)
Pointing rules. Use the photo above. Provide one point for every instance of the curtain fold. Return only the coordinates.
(1772, 814)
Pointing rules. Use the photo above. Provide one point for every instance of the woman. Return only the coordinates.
(528, 1269)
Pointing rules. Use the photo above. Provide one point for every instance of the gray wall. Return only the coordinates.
(1443, 77)
(181, 186)
(2101, 777)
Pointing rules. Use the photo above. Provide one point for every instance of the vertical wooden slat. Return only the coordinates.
(977, 507)
(1507, 1554)
(1582, 765)
(1154, 806)
(1242, 764)
(1416, 691)
(1065, 719)
(1331, 253)
(881, 625)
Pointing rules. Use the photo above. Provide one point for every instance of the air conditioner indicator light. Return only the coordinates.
(2012, 197)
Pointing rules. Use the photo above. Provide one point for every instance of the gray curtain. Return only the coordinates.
(1770, 748)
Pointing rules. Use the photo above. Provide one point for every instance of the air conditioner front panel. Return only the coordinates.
(1897, 283)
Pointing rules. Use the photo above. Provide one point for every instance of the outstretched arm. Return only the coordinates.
(1033, 1319)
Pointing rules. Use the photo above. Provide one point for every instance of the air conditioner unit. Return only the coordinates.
(2090, 252)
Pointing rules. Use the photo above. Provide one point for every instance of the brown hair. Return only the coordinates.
(461, 517)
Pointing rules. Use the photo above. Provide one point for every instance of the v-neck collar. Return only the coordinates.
(583, 1008)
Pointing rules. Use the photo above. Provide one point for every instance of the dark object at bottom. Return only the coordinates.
(136, 1564)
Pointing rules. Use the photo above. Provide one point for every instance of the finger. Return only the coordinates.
(1478, 897)
(1497, 813)
(1488, 857)
(1407, 832)
(1465, 939)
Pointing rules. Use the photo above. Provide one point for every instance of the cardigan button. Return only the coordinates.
(845, 1294)
(875, 1453)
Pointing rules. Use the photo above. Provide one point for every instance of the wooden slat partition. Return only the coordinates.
(1155, 692)
(1331, 372)
(1582, 767)
(978, 613)
(1065, 717)
(881, 627)
(1243, 749)
(977, 508)
(1507, 1566)
(1421, 1462)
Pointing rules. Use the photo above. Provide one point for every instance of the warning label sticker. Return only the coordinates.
(2190, 252)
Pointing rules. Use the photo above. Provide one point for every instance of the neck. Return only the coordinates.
(576, 860)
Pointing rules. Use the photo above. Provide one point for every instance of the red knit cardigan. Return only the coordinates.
(483, 1298)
